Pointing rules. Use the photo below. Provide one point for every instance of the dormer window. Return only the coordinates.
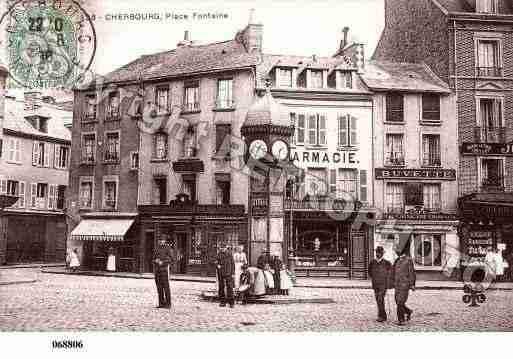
(316, 77)
(344, 80)
(487, 6)
(284, 77)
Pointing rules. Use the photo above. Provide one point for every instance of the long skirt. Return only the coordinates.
(269, 279)
(285, 281)
(238, 272)
(111, 263)
(259, 283)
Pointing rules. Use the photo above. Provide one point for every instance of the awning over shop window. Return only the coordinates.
(101, 230)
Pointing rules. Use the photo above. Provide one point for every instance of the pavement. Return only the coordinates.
(302, 282)
(84, 303)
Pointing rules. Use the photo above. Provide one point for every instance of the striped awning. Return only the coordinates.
(106, 230)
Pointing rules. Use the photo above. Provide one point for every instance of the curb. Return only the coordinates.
(23, 266)
(19, 282)
(212, 297)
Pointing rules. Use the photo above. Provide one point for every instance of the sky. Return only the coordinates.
(297, 27)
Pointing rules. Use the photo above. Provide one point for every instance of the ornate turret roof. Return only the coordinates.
(265, 111)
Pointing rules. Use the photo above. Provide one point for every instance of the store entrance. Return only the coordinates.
(181, 252)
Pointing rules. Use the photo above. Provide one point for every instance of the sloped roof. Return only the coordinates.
(266, 111)
(470, 6)
(382, 75)
(57, 119)
(270, 61)
(186, 60)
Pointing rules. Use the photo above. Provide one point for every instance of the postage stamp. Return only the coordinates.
(50, 44)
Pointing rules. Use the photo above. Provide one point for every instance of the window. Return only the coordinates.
(39, 193)
(223, 188)
(347, 184)
(316, 182)
(61, 195)
(414, 194)
(284, 77)
(189, 143)
(88, 148)
(344, 79)
(432, 197)
(90, 107)
(487, 6)
(488, 58)
(86, 193)
(160, 190)
(225, 93)
(189, 186)
(52, 196)
(363, 186)
(41, 154)
(113, 105)
(395, 107)
(13, 150)
(394, 155)
(431, 150)
(427, 249)
(490, 121)
(134, 160)
(430, 108)
(162, 99)
(492, 174)
(317, 79)
(61, 159)
(317, 130)
(160, 146)
(300, 129)
(223, 139)
(14, 188)
(112, 145)
(347, 131)
(333, 181)
(191, 98)
(110, 194)
(395, 197)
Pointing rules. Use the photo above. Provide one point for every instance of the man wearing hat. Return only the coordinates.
(404, 280)
(225, 273)
(379, 271)
(162, 260)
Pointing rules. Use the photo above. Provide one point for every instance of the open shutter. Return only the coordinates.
(35, 153)
(51, 196)
(17, 152)
(322, 129)
(363, 186)
(47, 154)
(56, 152)
(354, 132)
(21, 201)
(33, 194)
(342, 131)
(312, 129)
(3, 186)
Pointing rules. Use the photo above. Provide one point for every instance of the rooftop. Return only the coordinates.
(469, 6)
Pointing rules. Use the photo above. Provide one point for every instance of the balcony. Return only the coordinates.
(493, 71)
(112, 115)
(191, 107)
(431, 161)
(224, 104)
(492, 185)
(394, 159)
(321, 204)
(419, 213)
(490, 135)
(111, 157)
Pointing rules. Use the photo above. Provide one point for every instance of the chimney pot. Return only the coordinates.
(186, 35)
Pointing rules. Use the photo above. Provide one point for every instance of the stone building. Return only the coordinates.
(469, 44)
(34, 167)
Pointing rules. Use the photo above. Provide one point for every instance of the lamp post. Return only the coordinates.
(5, 201)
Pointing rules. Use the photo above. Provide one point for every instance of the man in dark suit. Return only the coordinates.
(162, 259)
(225, 273)
(379, 272)
(263, 259)
(404, 280)
(276, 265)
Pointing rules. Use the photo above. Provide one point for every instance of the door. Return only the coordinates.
(149, 251)
(181, 256)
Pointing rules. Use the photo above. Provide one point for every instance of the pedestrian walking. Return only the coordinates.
(162, 259)
(276, 265)
(74, 262)
(404, 281)
(239, 257)
(380, 271)
(225, 273)
(111, 260)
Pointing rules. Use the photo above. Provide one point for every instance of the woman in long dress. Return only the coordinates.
(74, 262)
(239, 257)
(111, 260)
(285, 280)
(257, 281)
(269, 279)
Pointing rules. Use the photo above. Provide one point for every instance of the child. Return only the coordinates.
(285, 280)
(269, 279)
(244, 284)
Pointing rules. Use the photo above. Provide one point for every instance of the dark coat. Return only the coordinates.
(225, 264)
(380, 273)
(163, 257)
(404, 273)
(262, 260)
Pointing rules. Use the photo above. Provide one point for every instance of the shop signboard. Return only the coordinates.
(416, 174)
(479, 242)
(487, 149)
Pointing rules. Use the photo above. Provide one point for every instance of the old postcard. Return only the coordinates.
(232, 166)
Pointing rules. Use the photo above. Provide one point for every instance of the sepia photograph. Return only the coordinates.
(323, 168)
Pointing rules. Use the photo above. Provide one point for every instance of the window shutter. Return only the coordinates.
(56, 162)
(322, 129)
(294, 125)
(300, 129)
(342, 131)
(48, 154)
(363, 185)
(21, 189)
(33, 194)
(354, 133)
(312, 130)
(17, 152)
(51, 192)
(3, 186)
(35, 153)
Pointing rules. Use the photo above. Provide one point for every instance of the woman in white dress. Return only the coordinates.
(285, 280)
(499, 265)
(269, 279)
(239, 257)
(74, 262)
(111, 260)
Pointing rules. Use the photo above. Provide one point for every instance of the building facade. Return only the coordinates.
(34, 167)
(415, 166)
(469, 45)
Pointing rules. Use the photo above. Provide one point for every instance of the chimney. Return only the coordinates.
(251, 36)
(33, 100)
(345, 38)
(186, 40)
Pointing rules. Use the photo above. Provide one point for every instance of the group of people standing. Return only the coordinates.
(400, 276)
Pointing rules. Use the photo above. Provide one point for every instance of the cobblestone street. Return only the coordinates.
(66, 302)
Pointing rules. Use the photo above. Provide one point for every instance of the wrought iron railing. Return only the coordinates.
(489, 71)
(490, 135)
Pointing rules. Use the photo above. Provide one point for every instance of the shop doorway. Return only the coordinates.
(149, 252)
(181, 255)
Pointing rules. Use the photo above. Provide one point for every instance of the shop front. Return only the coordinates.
(487, 225)
(193, 232)
(98, 235)
(327, 242)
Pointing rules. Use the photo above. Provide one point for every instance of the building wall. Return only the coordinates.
(415, 31)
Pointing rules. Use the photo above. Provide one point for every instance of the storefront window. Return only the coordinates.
(316, 248)
(196, 248)
(427, 250)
